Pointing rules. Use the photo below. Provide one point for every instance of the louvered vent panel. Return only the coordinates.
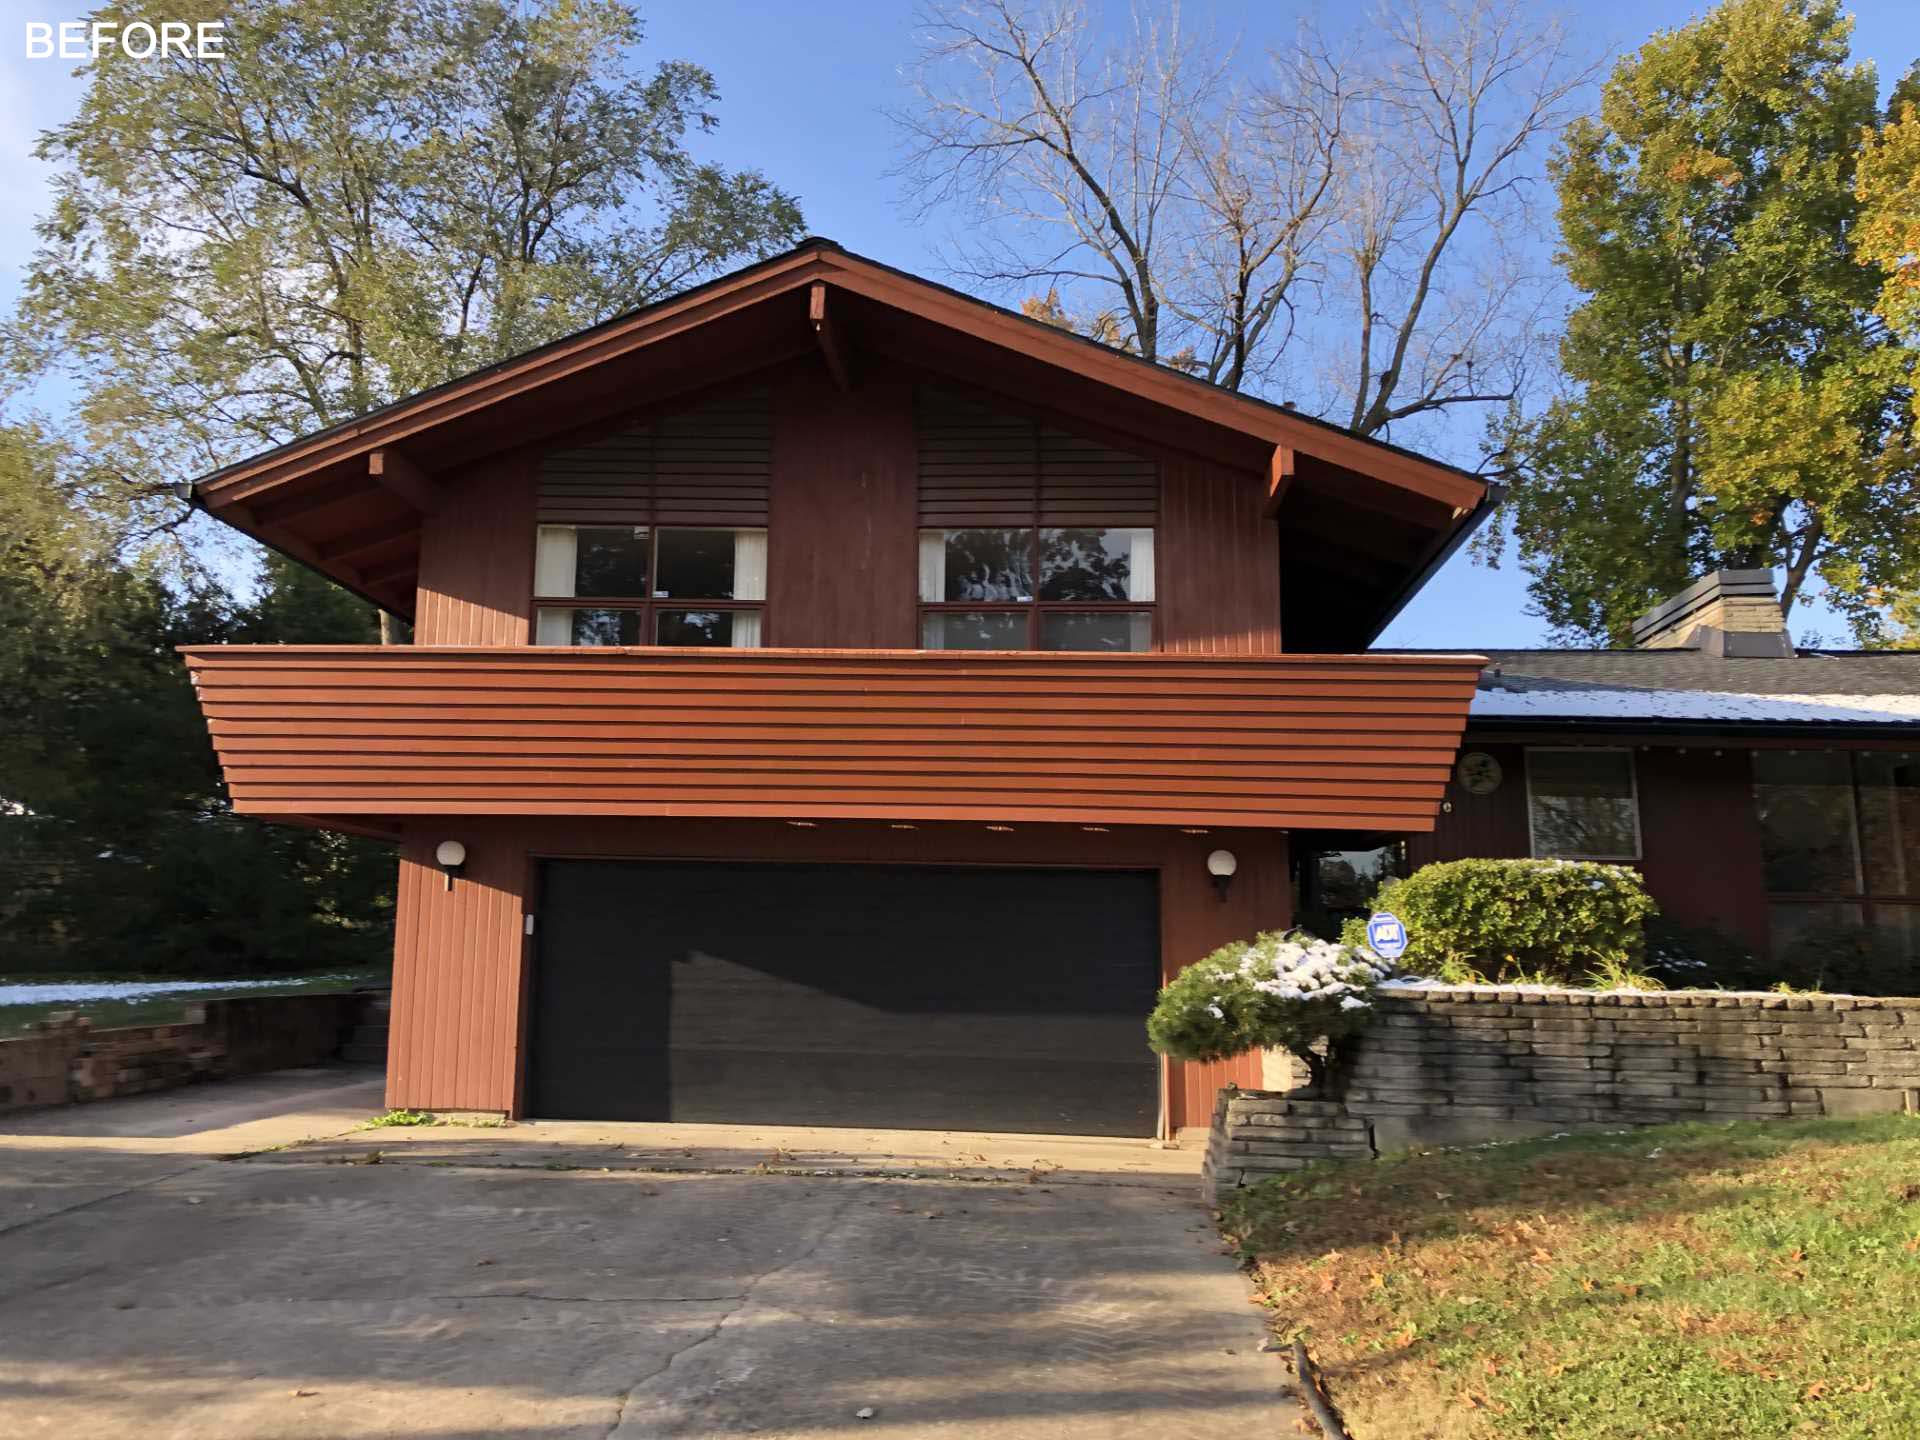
(605, 483)
(711, 465)
(707, 467)
(978, 467)
(1082, 482)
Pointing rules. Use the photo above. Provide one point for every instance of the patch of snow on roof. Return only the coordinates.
(1638, 704)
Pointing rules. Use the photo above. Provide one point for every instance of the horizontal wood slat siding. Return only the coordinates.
(1328, 741)
(709, 466)
(981, 468)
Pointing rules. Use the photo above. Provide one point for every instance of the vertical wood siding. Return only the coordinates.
(476, 560)
(841, 556)
(1491, 827)
(460, 984)
(1700, 842)
(457, 981)
(1219, 563)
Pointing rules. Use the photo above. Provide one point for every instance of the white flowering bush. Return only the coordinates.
(1283, 990)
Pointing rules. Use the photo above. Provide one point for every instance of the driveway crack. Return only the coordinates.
(827, 1229)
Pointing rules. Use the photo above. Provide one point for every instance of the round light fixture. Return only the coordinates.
(450, 854)
(1221, 865)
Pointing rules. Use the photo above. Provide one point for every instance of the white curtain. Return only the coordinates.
(933, 566)
(1140, 568)
(749, 574)
(746, 629)
(555, 564)
(553, 627)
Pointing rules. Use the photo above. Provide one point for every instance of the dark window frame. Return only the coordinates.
(1035, 608)
(1633, 780)
(649, 606)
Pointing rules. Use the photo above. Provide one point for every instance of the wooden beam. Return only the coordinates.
(292, 546)
(362, 542)
(279, 512)
(831, 349)
(1280, 467)
(395, 569)
(395, 472)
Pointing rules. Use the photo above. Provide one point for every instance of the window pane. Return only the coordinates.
(1804, 801)
(1582, 804)
(588, 627)
(611, 562)
(1349, 878)
(1890, 822)
(991, 566)
(1899, 929)
(981, 630)
(695, 627)
(700, 565)
(1096, 564)
(1096, 630)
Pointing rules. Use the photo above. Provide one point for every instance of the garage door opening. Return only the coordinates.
(896, 996)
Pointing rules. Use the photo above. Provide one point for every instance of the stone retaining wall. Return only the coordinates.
(67, 1060)
(1459, 1066)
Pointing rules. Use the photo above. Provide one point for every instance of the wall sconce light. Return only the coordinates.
(1220, 865)
(451, 857)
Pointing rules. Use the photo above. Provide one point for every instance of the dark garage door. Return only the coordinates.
(887, 995)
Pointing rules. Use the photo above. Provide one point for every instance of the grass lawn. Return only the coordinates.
(1692, 1280)
(159, 1009)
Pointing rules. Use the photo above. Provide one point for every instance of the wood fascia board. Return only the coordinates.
(1156, 384)
(547, 367)
(400, 476)
(832, 350)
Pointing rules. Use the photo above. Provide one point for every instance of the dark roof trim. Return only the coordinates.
(1463, 531)
(1820, 730)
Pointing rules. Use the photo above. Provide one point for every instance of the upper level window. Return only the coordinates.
(1036, 588)
(649, 586)
(1582, 804)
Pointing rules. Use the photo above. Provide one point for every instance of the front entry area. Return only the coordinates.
(896, 996)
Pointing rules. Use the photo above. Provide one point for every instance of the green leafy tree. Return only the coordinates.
(1733, 399)
(366, 197)
(118, 851)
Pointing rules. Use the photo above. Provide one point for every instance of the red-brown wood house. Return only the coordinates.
(842, 692)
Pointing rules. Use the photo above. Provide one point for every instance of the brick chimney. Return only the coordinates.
(1726, 613)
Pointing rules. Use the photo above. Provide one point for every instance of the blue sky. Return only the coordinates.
(803, 88)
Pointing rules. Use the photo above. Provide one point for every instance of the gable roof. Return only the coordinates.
(349, 499)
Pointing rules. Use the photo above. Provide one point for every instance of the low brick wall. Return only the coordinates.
(1459, 1066)
(67, 1060)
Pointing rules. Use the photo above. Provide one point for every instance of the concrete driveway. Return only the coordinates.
(603, 1280)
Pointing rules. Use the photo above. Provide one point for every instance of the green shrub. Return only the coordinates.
(1556, 922)
(1281, 991)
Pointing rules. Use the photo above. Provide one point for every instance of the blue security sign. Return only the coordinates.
(1386, 935)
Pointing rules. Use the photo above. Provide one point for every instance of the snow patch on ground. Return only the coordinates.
(59, 992)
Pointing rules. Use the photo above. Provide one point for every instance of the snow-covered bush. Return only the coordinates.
(1283, 990)
(1562, 922)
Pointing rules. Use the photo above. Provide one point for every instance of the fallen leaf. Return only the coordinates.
(302, 1394)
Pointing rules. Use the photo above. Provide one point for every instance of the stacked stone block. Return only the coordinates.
(1258, 1133)
(1470, 1064)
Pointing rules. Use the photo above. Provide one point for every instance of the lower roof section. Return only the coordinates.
(1320, 741)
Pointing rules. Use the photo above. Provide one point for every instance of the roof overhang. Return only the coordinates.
(1363, 522)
